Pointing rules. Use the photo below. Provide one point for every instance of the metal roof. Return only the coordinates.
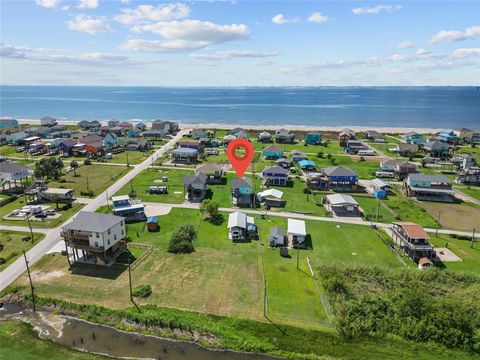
(276, 231)
(92, 221)
(430, 178)
(296, 227)
(339, 171)
(379, 183)
(237, 219)
(271, 192)
(341, 199)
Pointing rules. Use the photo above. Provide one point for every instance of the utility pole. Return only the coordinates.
(131, 185)
(473, 238)
(106, 194)
(298, 256)
(30, 226)
(378, 209)
(30, 280)
(126, 153)
(130, 280)
(438, 223)
(88, 186)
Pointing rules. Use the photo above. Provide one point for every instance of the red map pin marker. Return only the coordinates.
(240, 164)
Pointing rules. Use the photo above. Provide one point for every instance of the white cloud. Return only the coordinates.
(279, 19)
(88, 4)
(376, 9)
(230, 54)
(186, 35)
(57, 56)
(89, 25)
(147, 13)
(466, 52)
(50, 4)
(405, 45)
(318, 17)
(472, 32)
(262, 63)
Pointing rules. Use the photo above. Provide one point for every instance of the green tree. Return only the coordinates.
(50, 168)
(74, 166)
(87, 161)
(182, 239)
(209, 209)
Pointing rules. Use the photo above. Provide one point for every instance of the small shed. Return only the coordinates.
(276, 236)
(152, 224)
(297, 232)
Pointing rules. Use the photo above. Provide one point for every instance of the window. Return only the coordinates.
(108, 242)
(96, 243)
(123, 232)
(115, 237)
(108, 231)
(98, 235)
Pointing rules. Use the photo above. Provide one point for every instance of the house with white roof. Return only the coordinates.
(342, 205)
(241, 227)
(296, 232)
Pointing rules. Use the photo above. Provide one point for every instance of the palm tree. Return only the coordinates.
(74, 165)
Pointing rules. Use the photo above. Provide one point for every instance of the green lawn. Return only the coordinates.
(20, 341)
(99, 177)
(13, 245)
(473, 191)
(134, 157)
(365, 169)
(48, 222)
(462, 248)
(369, 206)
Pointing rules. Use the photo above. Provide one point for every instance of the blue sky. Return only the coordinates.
(240, 43)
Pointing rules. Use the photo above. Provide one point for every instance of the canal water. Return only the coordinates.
(101, 339)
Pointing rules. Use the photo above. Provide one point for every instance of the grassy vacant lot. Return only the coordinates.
(369, 206)
(475, 152)
(408, 210)
(147, 177)
(20, 341)
(219, 277)
(100, 177)
(134, 157)
(464, 216)
(13, 245)
(462, 248)
(48, 222)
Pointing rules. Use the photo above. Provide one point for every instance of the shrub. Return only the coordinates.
(87, 161)
(142, 291)
(182, 239)
(2, 261)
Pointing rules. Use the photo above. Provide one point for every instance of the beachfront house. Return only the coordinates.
(16, 138)
(272, 152)
(166, 127)
(413, 138)
(48, 121)
(214, 172)
(340, 178)
(184, 156)
(241, 227)
(374, 136)
(343, 138)
(448, 137)
(199, 134)
(296, 232)
(313, 138)
(413, 240)
(276, 176)
(354, 146)
(298, 155)
(195, 187)
(242, 192)
(284, 136)
(141, 126)
(342, 205)
(228, 139)
(9, 125)
(265, 137)
(94, 238)
(113, 123)
(437, 149)
(464, 161)
(131, 209)
(464, 134)
(407, 150)
(276, 236)
(429, 187)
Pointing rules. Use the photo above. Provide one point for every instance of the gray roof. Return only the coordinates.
(276, 170)
(339, 171)
(92, 221)
(435, 144)
(6, 167)
(241, 183)
(185, 151)
(200, 179)
(273, 148)
(276, 231)
(208, 168)
(430, 178)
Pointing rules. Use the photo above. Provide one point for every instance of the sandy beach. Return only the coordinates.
(381, 129)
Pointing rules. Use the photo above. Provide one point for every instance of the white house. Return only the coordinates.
(341, 204)
(99, 237)
(296, 232)
(240, 226)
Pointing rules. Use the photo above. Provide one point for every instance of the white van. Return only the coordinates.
(366, 153)
(384, 174)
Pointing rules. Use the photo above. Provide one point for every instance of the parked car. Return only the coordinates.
(42, 215)
(20, 149)
(50, 212)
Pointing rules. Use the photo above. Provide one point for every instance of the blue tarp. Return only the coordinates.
(306, 163)
(152, 219)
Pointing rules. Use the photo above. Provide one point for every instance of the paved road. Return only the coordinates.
(52, 236)
(465, 197)
(163, 208)
(24, 229)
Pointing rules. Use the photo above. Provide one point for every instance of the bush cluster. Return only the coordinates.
(182, 239)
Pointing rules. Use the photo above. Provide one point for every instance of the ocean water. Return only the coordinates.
(429, 107)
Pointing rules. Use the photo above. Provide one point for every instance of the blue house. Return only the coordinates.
(110, 141)
(275, 175)
(340, 178)
(448, 136)
(307, 165)
(272, 152)
(8, 123)
(17, 137)
(313, 138)
(133, 133)
(242, 192)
